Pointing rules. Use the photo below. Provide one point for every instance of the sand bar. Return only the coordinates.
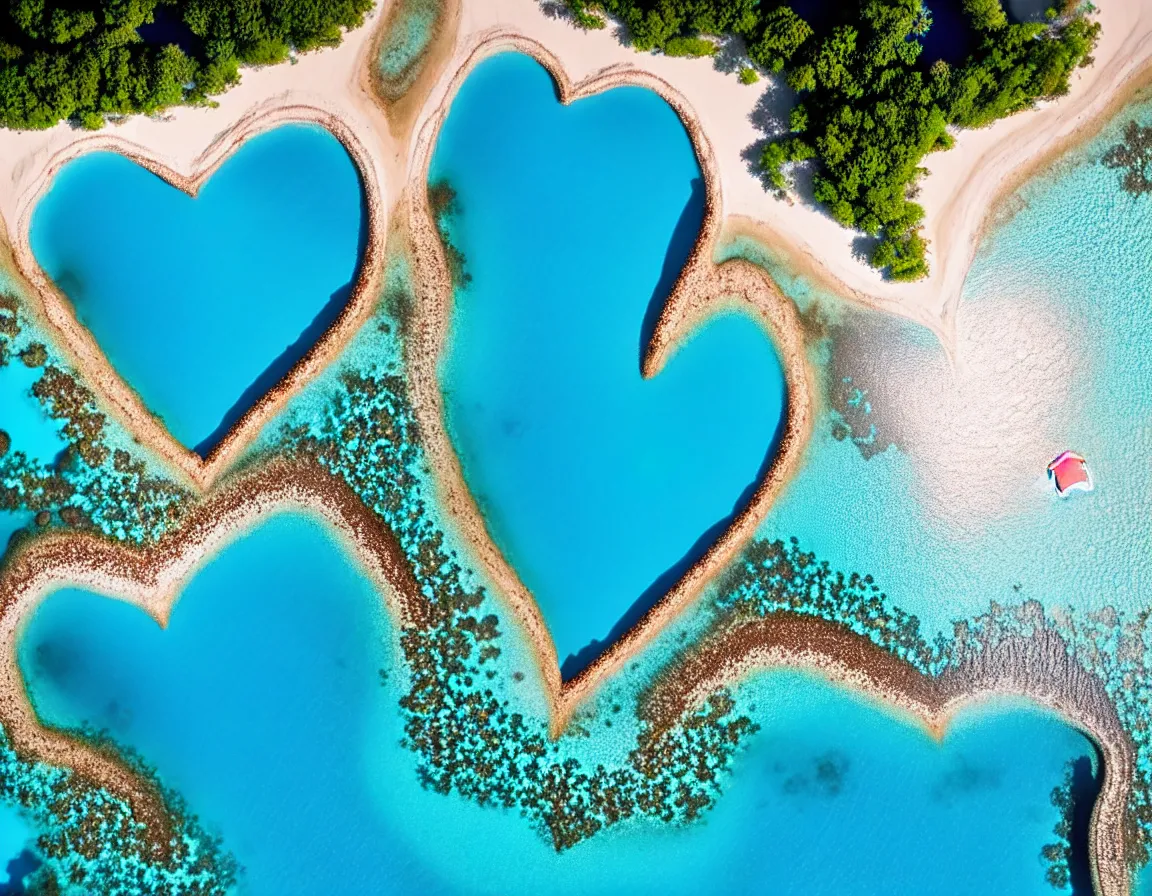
(1038, 669)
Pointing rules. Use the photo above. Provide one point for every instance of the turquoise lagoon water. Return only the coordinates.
(30, 429)
(203, 304)
(17, 850)
(262, 704)
(22, 416)
(1054, 332)
(598, 486)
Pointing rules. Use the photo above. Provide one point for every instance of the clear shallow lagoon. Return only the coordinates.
(203, 304)
(17, 850)
(262, 704)
(599, 487)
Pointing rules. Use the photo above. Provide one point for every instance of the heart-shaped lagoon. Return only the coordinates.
(202, 304)
(600, 488)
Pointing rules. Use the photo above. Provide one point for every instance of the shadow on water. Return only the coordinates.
(1085, 791)
(287, 359)
(951, 36)
(19, 870)
(679, 248)
(576, 663)
(1027, 10)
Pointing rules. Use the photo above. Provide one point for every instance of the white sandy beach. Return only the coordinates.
(959, 194)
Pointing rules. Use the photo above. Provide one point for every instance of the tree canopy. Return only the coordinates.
(84, 60)
(869, 108)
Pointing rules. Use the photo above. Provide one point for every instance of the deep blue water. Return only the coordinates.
(598, 486)
(203, 304)
(262, 703)
(950, 37)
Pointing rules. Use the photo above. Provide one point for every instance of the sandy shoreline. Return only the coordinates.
(336, 88)
(58, 313)
(959, 196)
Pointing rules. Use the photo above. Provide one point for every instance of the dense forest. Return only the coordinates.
(83, 61)
(869, 105)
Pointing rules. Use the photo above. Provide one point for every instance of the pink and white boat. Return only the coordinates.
(1069, 472)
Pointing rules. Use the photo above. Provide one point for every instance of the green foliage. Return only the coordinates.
(690, 46)
(870, 109)
(986, 15)
(782, 34)
(85, 60)
(748, 75)
(583, 17)
(902, 255)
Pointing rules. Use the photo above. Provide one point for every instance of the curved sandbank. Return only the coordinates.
(331, 88)
(702, 289)
(1038, 669)
(152, 579)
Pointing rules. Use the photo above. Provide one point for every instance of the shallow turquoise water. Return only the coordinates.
(574, 222)
(408, 37)
(22, 416)
(30, 429)
(17, 847)
(262, 703)
(1054, 332)
(202, 305)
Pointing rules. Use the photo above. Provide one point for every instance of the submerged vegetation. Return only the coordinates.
(444, 205)
(92, 483)
(869, 106)
(87, 60)
(411, 28)
(1133, 155)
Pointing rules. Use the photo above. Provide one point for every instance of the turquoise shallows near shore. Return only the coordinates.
(1054, 352)
(262, 703)
(22, 416)
(17, 847)
(599, 487)
(203, 304)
